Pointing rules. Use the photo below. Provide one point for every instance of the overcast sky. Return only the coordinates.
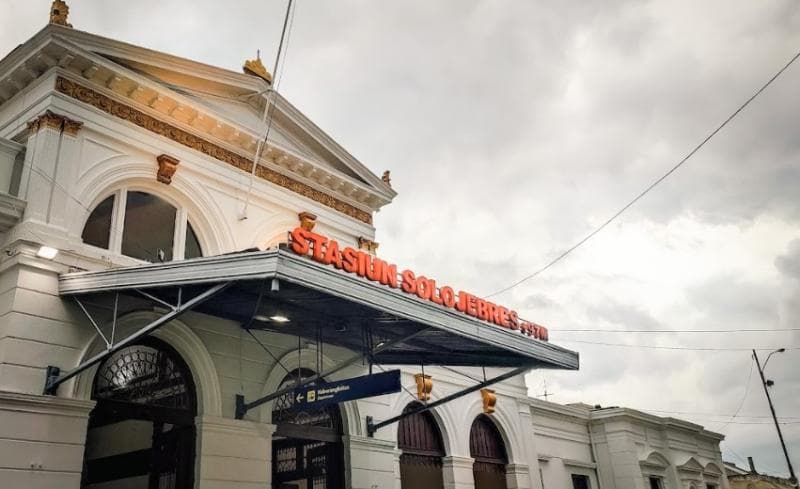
(513, 128)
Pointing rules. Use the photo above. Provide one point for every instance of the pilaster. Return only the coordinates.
(373, 462)
(42, 440)
(52, 147)
(518, 476)
(457, 473)
(233, 453)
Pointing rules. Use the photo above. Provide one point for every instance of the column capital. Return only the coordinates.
(55, 121)
(458, 462)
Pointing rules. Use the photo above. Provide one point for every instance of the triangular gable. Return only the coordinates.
(300, 156)
(216, 84)
(691, 465)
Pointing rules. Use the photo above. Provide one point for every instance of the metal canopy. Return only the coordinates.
(322, 303)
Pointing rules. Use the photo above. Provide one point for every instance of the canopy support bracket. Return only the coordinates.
(243, 407)
(55, 378)
(372, 427)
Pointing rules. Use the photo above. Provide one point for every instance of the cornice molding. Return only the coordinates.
(117, 109)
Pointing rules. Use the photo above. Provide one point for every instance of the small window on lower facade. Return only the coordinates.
(655, 483)
(580, 481)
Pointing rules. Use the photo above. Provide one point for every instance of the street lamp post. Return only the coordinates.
(766, 383)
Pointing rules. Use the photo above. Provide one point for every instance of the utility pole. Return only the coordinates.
(766, 384)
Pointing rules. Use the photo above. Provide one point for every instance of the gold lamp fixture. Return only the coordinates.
(489, 400)
(424, 386)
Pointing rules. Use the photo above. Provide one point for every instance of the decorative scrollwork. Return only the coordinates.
(145, 374)
(145, 121)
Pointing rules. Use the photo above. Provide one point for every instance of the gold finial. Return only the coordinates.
(59, 11)
(256, 68)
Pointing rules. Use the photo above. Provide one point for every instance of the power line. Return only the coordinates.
(724, 415)
(643, 331)
(651, 186)
(664, 347)
(289, 18)
(741, 403)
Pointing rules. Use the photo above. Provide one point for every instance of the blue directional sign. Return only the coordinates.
(310, 396)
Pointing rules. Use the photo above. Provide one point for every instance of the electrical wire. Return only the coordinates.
(269, 105)
(664, 347)
(744, 397)
(659, 331)
(649, 187)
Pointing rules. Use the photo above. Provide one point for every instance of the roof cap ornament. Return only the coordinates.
(256, 68)
(59, 11)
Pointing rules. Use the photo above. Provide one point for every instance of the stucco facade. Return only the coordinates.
(83, 118)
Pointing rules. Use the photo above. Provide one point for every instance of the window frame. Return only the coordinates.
(182, 223)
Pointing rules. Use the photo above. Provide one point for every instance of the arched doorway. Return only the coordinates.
(420, 440)
(307, 450)
(487, 448)
(141, 433)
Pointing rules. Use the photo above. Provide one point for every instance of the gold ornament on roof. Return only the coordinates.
(59, 11)
(256, 68)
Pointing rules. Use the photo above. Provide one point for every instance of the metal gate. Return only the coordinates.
(486, 447)
(307, 448)
(419, 438)
(141, 431)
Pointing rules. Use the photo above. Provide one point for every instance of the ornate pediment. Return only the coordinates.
(691, 466)
(218, 111)
(655, 460)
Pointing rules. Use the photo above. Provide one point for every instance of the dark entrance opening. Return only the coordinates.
(141, 432)
(420, 440)
(307, 451)
(487, 448)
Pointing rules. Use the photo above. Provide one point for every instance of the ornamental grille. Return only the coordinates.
(284, 411)
(149, 373)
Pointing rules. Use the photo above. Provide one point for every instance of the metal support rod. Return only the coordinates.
(373, 427)
(792, 477)
(114, 320)
(242, 407)
(91, 320)
(156, 299)
(52, 383)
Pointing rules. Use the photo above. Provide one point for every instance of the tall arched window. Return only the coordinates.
(487, 448)
(420, 440)
(141, 432)
(307, 450)
(146, 227)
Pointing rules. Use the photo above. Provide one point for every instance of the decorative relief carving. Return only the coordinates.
(368, 245)
(59, 11)
(55, 121)
(167, 166)
(307, 220)
(117, 109)
(256, 68)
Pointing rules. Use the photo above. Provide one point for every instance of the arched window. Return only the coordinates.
(420, 440)
(141, 432)
(487, 448)
(146, 227)
(307, 448)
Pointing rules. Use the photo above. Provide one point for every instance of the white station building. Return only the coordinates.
(174, 316)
